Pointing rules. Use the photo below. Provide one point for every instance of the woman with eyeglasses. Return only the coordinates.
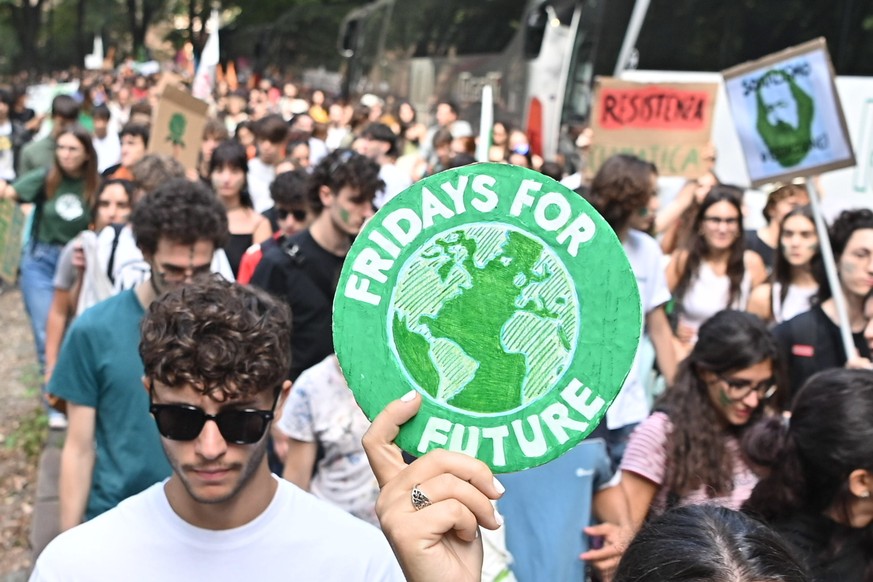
(818, 492)
(228, 169)
(798, 270)
(714, 271)
(688, 450)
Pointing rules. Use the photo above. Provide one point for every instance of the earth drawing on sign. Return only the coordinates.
(482, 318)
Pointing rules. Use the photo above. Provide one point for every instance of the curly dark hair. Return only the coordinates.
(621, 187)
(344, 168)
(218, 337)
(728, 342)
(707, 542)
(181, 211)
(698, 249)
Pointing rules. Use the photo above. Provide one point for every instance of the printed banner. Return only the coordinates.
(787, 114)
(668, 124)
(11, 227)
(178, 127)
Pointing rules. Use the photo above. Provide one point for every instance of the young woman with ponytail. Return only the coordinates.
(819, 490)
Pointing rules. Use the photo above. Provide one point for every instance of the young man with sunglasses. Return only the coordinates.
(303, 269)
(112, 450)
(215, 356)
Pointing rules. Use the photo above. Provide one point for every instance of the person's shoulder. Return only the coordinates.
(82, 548)
(644, 242)
(325, 520)
(106, 313)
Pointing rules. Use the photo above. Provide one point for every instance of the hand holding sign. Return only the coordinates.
(441, 541)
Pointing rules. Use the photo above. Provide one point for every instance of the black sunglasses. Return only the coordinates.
(183, 422)
(298, 214)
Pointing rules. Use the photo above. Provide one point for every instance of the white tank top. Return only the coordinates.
(708, 294)
(797, 301)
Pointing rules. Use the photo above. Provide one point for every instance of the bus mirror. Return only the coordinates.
(348, 37)
(535, 30)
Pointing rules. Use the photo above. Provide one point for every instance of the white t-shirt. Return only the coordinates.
(321, 409)
(396, 181)
(260, 177)
(298, 537)
(7, 162)
(108, 150)
(646, 260)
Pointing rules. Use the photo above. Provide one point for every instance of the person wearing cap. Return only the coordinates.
(379, 143)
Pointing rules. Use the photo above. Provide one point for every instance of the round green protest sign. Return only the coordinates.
(504, 299)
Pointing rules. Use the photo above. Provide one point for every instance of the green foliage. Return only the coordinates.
(29, 436)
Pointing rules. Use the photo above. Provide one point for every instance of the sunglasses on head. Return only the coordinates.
(183, 422)
(298, 214)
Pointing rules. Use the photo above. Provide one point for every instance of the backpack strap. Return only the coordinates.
(110, 266)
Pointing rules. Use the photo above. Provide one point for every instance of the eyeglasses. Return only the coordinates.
(183, 422)
(174, 274)
(298, 214)
(717, 220)
(738, 389)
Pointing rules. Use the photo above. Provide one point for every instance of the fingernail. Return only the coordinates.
(498, 518)
(499, 486)
(408, 396)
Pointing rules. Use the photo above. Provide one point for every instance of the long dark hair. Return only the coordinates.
(232, 153)
(810, 458)
(782, 268)
(707, 542)
(698, 249)
(90, 176)
(727, 342)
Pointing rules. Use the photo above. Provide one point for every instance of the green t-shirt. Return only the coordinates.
(65, 215)
(99, 367)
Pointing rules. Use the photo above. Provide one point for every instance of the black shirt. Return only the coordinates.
(811, 343)
(833, 552)
(304, 275)
(766, 252)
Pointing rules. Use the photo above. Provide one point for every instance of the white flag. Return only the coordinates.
(204, 79)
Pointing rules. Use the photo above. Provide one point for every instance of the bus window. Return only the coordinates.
(689, 35)
(535, 30)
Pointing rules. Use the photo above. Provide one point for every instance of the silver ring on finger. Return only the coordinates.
(419, 499)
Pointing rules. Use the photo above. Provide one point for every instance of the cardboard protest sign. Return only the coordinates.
(787, 114)
(11, 228)
(178, 127)
(504, 299)
(668, 124)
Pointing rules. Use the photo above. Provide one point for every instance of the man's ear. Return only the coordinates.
(326, 196)
(280, 403)
(146, 383)
(861, 483)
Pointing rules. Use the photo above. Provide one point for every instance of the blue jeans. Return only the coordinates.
(38, 264)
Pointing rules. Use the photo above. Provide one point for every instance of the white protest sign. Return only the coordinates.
(787, 114)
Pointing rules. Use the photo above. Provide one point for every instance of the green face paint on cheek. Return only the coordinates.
(723, 399)
(344, 215)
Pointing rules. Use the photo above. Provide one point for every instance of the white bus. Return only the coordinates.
(541, 57)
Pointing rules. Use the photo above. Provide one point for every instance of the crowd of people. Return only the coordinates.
(163, 297)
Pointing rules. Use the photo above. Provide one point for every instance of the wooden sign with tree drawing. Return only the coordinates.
(178, 126)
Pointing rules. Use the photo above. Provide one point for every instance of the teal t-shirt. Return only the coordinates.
(65, 215)
(99, 367)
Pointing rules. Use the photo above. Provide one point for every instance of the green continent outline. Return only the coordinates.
(493, 294)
